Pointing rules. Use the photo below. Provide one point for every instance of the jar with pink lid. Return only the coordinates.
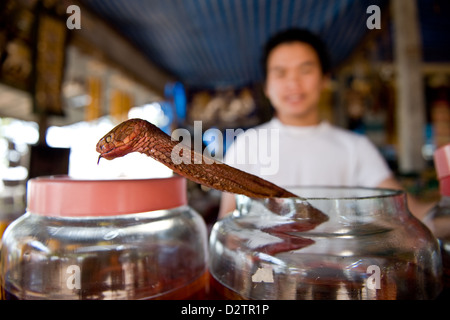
(105, 239)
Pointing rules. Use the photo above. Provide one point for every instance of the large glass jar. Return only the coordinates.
(107, 239)
(370, 247)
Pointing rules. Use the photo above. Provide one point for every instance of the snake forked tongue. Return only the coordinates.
(137, 135)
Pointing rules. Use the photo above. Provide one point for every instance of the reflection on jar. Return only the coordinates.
(370, 247)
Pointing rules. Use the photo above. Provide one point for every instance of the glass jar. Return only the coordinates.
(105, 239)
(370, 247)
(438, 219)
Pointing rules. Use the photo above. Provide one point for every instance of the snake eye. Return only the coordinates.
(108, 139)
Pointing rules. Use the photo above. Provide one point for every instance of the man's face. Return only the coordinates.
(294, 82)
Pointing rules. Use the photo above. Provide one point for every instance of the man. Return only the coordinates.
(303, 149)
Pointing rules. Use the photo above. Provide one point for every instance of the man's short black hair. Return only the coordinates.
(301, 35)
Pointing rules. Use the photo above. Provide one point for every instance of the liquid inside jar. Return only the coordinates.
(332, 282)
(162, 272)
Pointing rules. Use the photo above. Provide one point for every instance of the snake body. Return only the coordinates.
(137, 135)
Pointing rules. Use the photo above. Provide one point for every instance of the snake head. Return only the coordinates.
(120, 140)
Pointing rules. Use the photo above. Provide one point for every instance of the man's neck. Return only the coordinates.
(299, 121)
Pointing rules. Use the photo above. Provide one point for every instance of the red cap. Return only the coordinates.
(67, 197)
(442, 164)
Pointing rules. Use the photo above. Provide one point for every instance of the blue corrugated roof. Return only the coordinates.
(217, 43)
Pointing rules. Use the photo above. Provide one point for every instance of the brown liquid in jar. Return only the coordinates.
(165, 273)
(3, 225)
(336, 288)
(322, 291)
(196, 290)
(218, 291)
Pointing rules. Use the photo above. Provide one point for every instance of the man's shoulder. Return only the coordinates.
(265, 125)
(346, 138)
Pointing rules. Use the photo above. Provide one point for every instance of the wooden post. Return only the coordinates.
(410, 92)
(43, 126)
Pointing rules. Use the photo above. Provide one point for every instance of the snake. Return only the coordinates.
(138, 135)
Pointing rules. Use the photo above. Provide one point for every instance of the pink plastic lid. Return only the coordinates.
(442, 164)
(67, 197)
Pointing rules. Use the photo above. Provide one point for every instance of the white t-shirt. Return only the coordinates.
(322, 155)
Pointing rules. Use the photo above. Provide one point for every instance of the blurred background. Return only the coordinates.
(71, 70)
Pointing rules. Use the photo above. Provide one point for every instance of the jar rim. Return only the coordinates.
(343, 192)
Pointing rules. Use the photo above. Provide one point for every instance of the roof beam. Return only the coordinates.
(97, 35)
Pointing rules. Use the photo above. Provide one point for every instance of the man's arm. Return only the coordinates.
(418, 208)
(227, 204)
